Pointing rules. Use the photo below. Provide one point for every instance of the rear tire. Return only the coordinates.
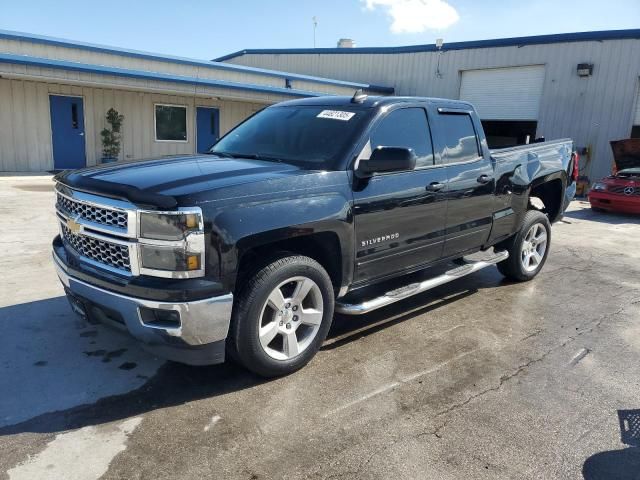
(281, 316)
(528, 249)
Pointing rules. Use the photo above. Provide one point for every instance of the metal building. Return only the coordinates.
(579, 85)
(54, 96)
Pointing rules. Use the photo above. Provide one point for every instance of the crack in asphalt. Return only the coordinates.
(437, 432)
(505, 378)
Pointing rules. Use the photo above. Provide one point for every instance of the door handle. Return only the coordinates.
(81, 134)
(484, 179)
(435, 186)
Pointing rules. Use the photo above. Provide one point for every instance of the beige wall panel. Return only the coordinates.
(25, 129)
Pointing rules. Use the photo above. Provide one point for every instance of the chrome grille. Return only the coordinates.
(620, 190)
(103, 216)
(106, 253)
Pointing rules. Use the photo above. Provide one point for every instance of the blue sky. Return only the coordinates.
(209, 28)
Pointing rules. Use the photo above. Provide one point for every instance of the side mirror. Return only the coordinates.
(387, 159)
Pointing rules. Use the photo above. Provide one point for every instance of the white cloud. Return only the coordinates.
(415, 16)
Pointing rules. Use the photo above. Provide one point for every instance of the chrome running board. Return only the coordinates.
(415, 288)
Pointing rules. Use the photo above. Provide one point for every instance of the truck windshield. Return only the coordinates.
(310, 136)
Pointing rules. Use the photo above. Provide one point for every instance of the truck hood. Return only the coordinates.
(160, 182)
(626, 153)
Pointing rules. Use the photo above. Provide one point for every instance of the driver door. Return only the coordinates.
(400, 216)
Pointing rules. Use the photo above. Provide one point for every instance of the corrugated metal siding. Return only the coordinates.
(121, 61)
(591, 110)
(25, 129)
(504, 93)
(636, 118)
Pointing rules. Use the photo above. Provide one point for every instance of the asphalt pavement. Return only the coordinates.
(481, 378)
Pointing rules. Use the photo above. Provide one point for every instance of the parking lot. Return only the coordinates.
(480, 378)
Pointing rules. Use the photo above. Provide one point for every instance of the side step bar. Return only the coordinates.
(415, 288)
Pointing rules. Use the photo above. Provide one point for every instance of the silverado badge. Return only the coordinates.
(73, 226)
(383, 238)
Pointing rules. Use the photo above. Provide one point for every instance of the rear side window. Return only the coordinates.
(461, 143)
(406, 128)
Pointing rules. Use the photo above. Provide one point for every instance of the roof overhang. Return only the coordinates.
(145, 75)
(499, 42)
(209, 65)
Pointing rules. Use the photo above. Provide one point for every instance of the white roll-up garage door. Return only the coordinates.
(512, 93)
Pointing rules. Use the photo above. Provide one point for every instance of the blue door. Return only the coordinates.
(208, 128)
(67, 132)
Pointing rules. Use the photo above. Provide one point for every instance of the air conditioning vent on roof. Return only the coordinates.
(346, 43)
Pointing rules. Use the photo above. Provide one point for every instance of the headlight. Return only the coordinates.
(172, 244)
(169, 226)
(171, 259)
(599, 186)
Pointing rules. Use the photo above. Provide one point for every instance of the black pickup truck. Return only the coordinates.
(308, 207)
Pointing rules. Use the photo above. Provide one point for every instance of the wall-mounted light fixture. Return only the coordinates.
(585, 69)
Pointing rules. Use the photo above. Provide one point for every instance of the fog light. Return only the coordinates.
(158, 318)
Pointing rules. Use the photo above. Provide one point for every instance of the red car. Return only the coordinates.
(620, 192)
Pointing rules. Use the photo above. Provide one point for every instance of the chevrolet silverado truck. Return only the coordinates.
(309, 207)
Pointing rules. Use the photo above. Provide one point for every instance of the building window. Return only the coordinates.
(461, 142)
(635, 131)
(171, 123)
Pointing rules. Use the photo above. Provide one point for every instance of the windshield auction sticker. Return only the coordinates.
(336, 115)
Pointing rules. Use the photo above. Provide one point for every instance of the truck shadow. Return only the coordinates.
(349, 328)
(172, 384)
(618, 464)
(57, 372)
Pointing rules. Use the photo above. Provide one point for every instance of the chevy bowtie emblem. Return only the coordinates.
(73, 226)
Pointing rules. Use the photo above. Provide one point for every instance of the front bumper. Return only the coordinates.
(195, 334)
(614, 202)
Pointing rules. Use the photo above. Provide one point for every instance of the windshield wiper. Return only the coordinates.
(222, 154)
(256, 156)
(252, 156)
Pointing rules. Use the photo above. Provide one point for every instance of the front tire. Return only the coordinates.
(528, 249)
(282, 316)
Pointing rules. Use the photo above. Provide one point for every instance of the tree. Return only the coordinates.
(111, 136)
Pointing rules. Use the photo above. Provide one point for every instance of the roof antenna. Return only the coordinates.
(359, 96)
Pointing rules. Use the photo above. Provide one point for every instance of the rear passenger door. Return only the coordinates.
(470, 181)
(399, 216)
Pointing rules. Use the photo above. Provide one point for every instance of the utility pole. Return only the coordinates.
(315, 25)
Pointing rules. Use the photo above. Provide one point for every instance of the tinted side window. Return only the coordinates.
(459, 138)
(407, 128)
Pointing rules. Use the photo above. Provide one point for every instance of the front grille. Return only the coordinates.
(106, 253)
(103, 216)
(620, 190)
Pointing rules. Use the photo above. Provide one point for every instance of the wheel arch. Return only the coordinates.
(325, 247)
(550, 190)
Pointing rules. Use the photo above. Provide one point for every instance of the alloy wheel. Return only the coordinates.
(290, 318)
(533, 247)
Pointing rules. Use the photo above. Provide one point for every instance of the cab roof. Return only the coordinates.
(373, 101)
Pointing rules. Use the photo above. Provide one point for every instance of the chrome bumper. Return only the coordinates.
(201, 323)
